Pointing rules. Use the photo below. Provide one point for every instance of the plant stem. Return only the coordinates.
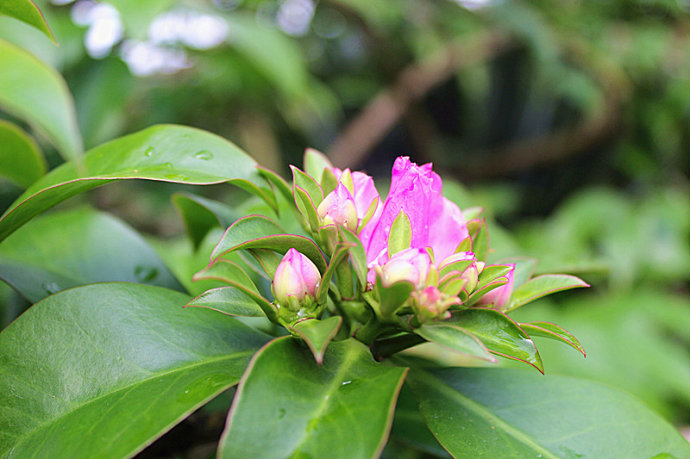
(388, 347)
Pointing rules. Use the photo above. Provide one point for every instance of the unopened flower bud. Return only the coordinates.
(296, 280)
(338, 207)
(431, 304)
(410, 265)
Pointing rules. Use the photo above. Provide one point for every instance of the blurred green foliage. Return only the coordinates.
(568, 120)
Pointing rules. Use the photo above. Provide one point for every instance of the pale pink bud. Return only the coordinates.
(338, 208)
(296, 276)
(500, 296)
(410, 265)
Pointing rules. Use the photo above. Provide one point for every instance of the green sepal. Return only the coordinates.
(358, 256)
(480, 238)
(400, 237)
(317, 334)
(328, 181)
(392, 298)
(369, 214)
(491, 277)
(472, 213)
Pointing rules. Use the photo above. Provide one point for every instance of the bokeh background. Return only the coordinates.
(567, 120)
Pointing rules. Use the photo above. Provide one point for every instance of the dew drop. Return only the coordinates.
(50, 287)
(204, 155)
(345, 383)
(149, 152)
(145, 273)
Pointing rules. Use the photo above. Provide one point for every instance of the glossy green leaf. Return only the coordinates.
(277, 181)
(200, 214)
(358, 256)
(317, 334)
(31, 90)
(259, 232)
(499, 334)
(26, 11)
(307, 209)
(289, 406)
(501, 413)
(553, 331)
(21, 160)
(541, 286)
(400, 236)
(228, 300)
(456, 338)
(166, 153)
(315, 162)
(308, 184)
(78, 247)
(409, 426)
(492, 277)
(231, 273)
(392, 297)
(116, 366)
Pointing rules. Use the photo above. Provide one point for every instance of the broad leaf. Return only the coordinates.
(200, 214)
(500, 413)
(456, 338)
(166, 153)
(541, 286)
(499, 333)
(289, 406)
(20, 159)
(553, 331)
(409, 426)
(317, 334)
(258, 232)
(26, 11)
(78, 247)
(228, 300)
(116, 366)
(31, 90)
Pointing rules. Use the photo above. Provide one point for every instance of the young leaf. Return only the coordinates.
(358, 256)
(456, 338)
(315, 162)
(277, 181)
(499, 333)
(21, 161)
(400, 236)
(307, 209)
(75, 247)
(553, 331)
(541, 286)
(26, 11)
(492, 277)
(501, 412)
(339, 255)
(165, 153)
(263, 192)
(122, 362)
(31, 90)
(308, 184)
(228, 300)
(258, 232)
(279, 410)
(317, 334)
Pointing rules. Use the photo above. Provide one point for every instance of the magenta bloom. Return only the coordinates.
(436, 222)
(410, 265)
(296, 276)
(500, 296)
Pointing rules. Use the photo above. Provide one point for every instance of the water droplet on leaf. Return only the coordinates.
(149, 152)
(50, 287)
(204, 155)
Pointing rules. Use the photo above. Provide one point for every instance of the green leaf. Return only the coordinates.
(308, 184)
(26, 11)
(116, 366)
(31, 90)
(21, 160)
(480, 238)
(392, 297)
(78, 247)
(307, 209)
(228, 300)
(553, 331)
(277, 181)
(165, 153)
(409, 426)
(231, 273)
(541, 286)
(499, 333)
(315, 162)
(289, 406)
(200, 214)
(358, 256)
(497, 413)
(400, 237)
(456, 338)
(259, 232)
(339, 255)
(317, 334)
(491, 277)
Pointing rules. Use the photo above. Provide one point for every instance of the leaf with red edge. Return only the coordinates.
(228, 300)
(541, 286)
(317, 334)
(553, 331)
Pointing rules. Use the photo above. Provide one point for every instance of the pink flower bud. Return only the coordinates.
(500, 296)
(363, 191)
(410, 265)
(296, 276)
(338, 208)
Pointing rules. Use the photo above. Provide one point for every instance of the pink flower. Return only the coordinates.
(296, 276)
(338, 207)
(500, 296)
(363, 191)
(436, 222)
(410, 265)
